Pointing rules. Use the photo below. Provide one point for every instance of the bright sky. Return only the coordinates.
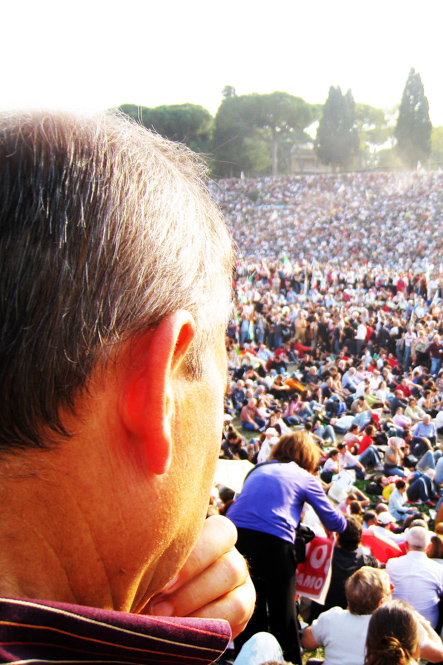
(90, 55)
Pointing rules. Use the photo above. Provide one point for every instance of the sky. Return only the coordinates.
(93, 55)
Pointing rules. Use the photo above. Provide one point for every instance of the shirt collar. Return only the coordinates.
(42, 630)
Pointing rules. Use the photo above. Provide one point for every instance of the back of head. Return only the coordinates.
(298, 447)
(418, 538)
(105, 229)
(435, 550)
(393, 635)
(350, 538)
(366, 589)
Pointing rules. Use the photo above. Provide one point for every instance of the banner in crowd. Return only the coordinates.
(314, 576)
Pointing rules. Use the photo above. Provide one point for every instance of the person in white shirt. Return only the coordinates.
(342, 633)
(417, 579)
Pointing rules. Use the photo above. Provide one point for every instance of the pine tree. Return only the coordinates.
(337, 137)
(414, 128)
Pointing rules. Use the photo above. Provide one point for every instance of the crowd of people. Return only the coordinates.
(116, 275)
(356, 219)
(337, 333)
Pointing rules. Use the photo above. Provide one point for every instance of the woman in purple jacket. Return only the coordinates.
(266, 514)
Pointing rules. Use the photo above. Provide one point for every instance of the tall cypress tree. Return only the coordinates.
(414, 128)
(337, 137)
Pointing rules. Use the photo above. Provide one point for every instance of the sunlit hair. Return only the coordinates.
(105, 229)
(366, 588)
(393, 635)
(435, 550)
(298, 447)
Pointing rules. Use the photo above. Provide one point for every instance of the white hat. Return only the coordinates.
(396, 442)
(385, 518)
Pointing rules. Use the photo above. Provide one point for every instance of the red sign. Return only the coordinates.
(314, 576)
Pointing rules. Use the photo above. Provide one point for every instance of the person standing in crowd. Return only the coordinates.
(266, 514)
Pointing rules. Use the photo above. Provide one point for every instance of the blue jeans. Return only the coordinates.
(362, 419)
(420, 489)
(435, 366)
(370, 457)
(326, 432)
(358, 472)
(429, 460)
(407, 358)
(250, 426)
(439, 472)
(394, 471)
(261, 648)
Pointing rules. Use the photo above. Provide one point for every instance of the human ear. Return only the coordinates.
(156, 362)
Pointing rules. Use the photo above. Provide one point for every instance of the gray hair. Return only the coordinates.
(105, 229)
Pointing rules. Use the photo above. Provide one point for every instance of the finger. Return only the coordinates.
(218, 537)
(227, 573)
(236, 607)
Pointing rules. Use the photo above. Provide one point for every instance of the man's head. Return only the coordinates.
(115, 288)
(366, 589)
(370, 518)
(418, 538)
(105, 230)
(350, 538)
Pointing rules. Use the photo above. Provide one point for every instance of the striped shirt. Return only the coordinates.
(48, 632)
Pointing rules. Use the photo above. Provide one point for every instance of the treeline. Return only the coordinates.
(277, 133)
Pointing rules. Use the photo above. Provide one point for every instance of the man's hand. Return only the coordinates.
(214, 582)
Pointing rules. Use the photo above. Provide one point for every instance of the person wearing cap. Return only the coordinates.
(394, 456)
(417, 579)
(382, 527)
(271, 438)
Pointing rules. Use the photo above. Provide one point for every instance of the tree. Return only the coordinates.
(187, 123)
(437, 145)
(278, 116)
(414, 128)
(235, 146)
(273, 120)
(337, 134)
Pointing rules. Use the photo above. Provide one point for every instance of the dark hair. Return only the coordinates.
(298, 447)
(350, 538)
(355, 507)
(88, 259)
(400, 484)
(393, 635)
(369, 515)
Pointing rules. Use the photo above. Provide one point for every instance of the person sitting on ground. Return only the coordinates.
(250, 417)
(342, 630)
(349, 462)
(394, 456)
(398, 635)
(331, 466)
(417, 579)
(397, 501)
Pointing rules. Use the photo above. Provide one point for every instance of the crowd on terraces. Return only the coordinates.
(337, 330)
